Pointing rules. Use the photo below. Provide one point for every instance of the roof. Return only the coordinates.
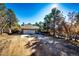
(28, 27)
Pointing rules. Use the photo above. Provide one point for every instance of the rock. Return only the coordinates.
(78, 40)
(63, 53)
(33, 50)
(22, 36)
(73, 39)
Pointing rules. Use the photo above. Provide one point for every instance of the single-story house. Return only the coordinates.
(29, 29)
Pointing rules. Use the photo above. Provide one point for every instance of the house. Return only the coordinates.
(29, 29)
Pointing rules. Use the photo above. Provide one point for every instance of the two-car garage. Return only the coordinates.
(29, 29)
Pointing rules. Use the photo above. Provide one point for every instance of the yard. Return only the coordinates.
(14, 45)
(24, 45)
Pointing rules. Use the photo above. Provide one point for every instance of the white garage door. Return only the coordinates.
(28, 31)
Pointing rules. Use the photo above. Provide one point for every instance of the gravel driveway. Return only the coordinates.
(52, 46)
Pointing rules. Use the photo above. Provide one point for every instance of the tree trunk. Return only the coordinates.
(54, 28)
(66, 29)
(1, 31)
(10, 31)
(54, 31)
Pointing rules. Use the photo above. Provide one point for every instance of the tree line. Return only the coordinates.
(8, 20)
(55, 23)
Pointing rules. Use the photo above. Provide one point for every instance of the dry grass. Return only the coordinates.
(13, 46)
(74, 42)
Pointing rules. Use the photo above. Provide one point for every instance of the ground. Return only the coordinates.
(55, 46)
(16, 45)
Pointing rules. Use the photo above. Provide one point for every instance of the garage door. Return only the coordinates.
(28, 31)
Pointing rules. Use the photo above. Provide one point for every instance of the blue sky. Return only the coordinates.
(35, 12)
